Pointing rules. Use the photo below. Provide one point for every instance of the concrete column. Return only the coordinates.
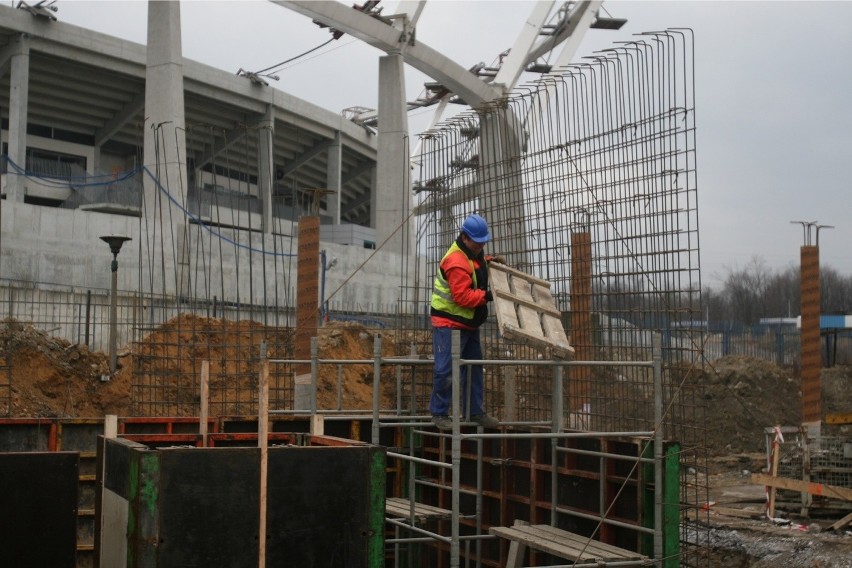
(266, 175)
(165, 150)
(333, 178)
(393, 203)
(373, 197)
(19, 80)
(501, 190)
(95, 166)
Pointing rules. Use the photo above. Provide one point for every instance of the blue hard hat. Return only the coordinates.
(476, 228)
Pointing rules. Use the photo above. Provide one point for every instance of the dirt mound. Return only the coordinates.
(746, 395)
(350, 340)
(51, 377)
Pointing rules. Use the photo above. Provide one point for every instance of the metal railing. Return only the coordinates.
(554, 431)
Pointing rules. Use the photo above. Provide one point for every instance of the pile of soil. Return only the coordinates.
(744, 396)
(51, 377)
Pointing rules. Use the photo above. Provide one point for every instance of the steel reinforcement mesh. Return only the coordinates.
(587, 178)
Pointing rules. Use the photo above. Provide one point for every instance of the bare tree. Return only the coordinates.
(754, 292)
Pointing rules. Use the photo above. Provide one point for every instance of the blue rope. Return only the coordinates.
(206, 227)
(130, 173)
(108, 178)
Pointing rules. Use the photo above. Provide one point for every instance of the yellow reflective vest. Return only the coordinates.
(442, 298)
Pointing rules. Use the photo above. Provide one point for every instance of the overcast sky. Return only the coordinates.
(773, 90)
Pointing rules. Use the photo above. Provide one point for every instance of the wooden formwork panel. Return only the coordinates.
(526, 310)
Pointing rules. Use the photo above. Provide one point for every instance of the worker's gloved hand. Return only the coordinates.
(499, 259)
(489, 297)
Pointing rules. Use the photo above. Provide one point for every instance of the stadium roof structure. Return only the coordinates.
(89, 88)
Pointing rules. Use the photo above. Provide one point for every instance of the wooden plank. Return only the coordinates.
(803, 486)
(508, 270)
(401, 507)
(595, 546)
(530, 321)
(564, 544)
(523, 297)
(541, 543)
(841, 523)
(733, 512)
(773, 471)
(517, 550)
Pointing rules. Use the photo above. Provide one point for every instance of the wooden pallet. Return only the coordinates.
(526, 310)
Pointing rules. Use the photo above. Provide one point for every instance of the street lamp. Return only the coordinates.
(115, 244)
(326, 266)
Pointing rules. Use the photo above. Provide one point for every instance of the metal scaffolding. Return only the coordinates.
(472, 478)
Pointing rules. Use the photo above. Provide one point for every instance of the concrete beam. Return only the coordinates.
(6, 53)
(352, 174)
(517, 59)
(298, 161)
(387, 38)
(220, 146)
(579, 20)
(116, 123)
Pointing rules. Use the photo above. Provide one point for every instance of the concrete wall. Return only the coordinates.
(59, 252)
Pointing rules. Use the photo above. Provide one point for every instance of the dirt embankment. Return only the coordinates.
(51, 377)
(744, 396)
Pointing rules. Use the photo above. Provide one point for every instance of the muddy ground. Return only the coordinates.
(53, 378)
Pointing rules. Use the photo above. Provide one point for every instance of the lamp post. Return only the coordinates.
(115, 244)
(326, 266)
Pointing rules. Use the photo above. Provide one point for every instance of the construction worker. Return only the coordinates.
(460, 299)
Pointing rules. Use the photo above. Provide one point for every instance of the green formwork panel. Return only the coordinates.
(200, 506)
(671, 504)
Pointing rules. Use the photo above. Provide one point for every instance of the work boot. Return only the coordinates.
(485, 421)
(442, 422)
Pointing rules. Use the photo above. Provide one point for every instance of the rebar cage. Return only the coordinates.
(587, 179)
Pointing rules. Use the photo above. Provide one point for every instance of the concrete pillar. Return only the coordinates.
(19, 80)
(95, 166)
(265, 174)
(501, 193)
(393, 203)
(333, 178)
(374, 201)
(165, 151)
